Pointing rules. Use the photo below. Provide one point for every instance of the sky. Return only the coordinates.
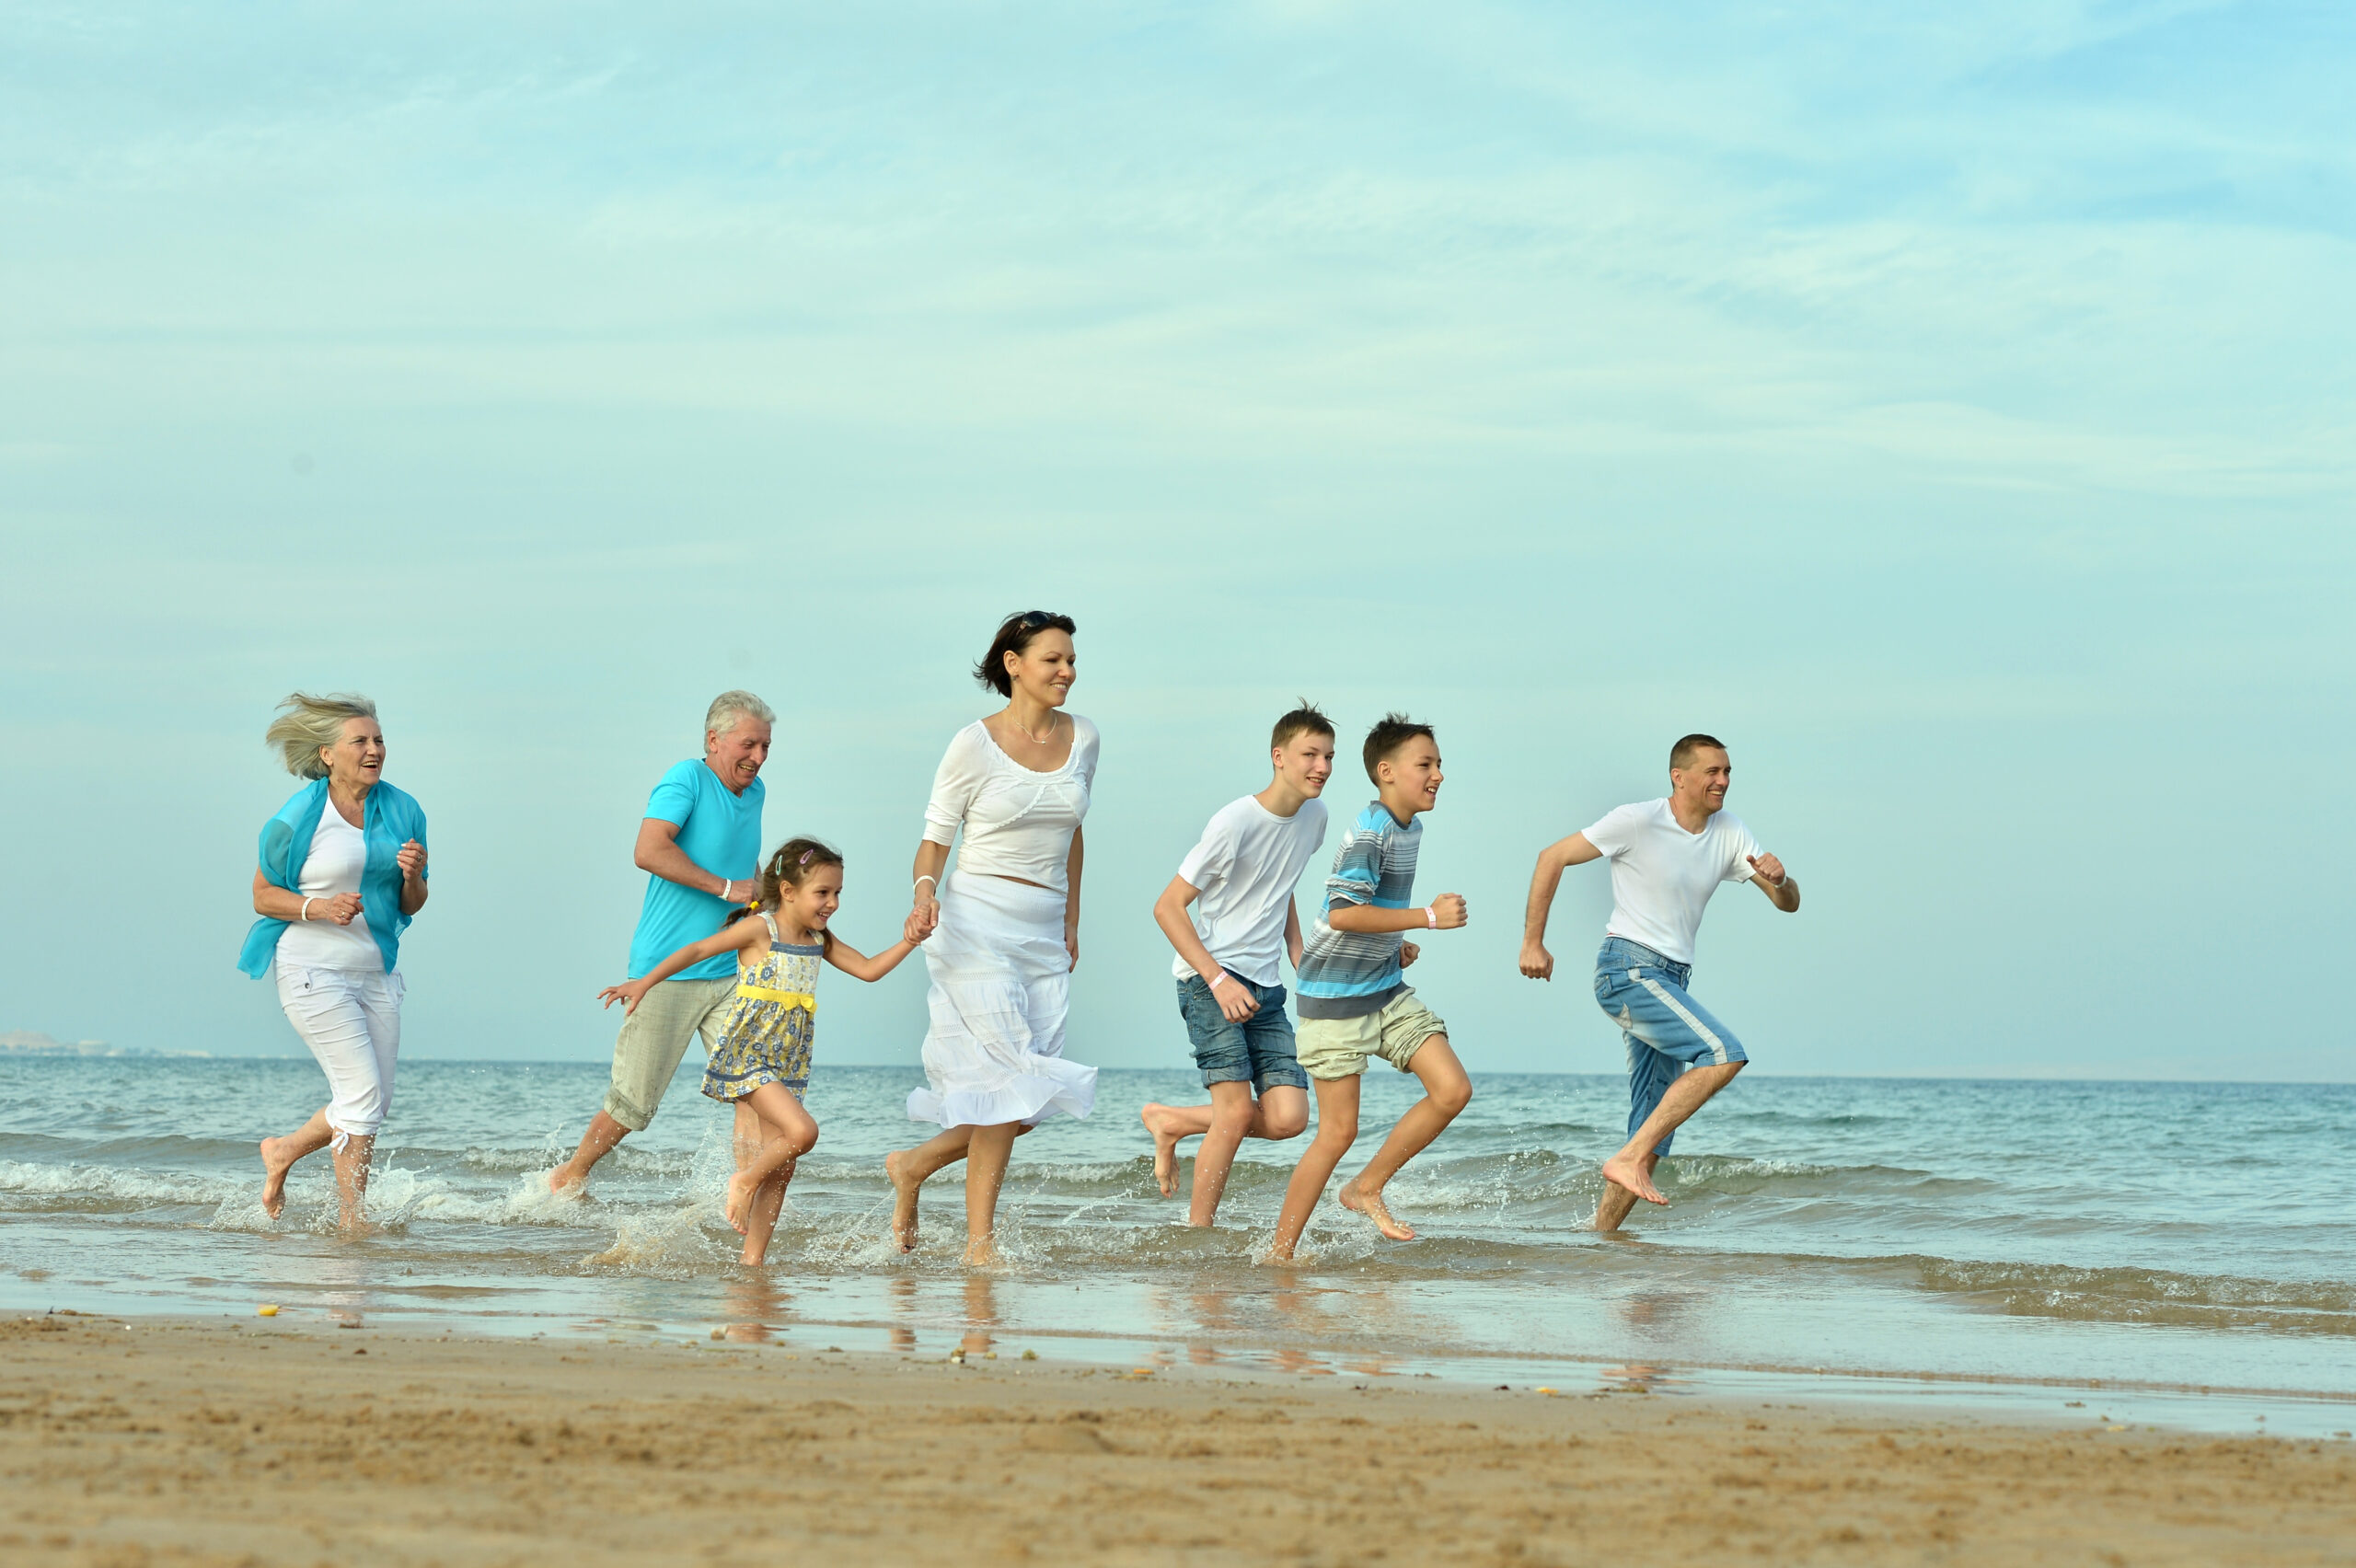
(1949, 405)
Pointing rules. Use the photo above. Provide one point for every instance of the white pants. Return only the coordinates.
(351, 1020)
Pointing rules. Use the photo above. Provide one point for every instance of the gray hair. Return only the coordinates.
(731, 709)
(311, 723)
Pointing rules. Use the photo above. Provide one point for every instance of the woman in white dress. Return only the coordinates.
(1004, 926)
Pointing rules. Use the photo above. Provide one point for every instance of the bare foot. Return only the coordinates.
(981, 1252)
(1156, 1118)
(1277, 1255)
(564, 1181)
(274, 1166)
(903, 1201)
(1359, 1199)
(1623, 1171)
(738, 1203)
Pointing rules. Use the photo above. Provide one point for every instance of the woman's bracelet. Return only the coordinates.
(305, 917)
(921, 881)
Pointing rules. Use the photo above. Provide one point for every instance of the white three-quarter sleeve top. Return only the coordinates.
(1018, 823)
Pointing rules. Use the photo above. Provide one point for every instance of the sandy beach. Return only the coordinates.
(286, 1441)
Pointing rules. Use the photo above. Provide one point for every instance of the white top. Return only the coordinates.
(1662, 876)
(339, 854)
(1018, 823)
(1246, 865)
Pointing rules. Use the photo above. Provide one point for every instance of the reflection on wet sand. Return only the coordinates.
(756, 1309)
(900, 1292)
(981, 1314)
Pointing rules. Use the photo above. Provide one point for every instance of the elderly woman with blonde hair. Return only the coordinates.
(343, 871)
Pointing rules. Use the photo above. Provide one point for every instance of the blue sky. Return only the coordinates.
(1949, 405)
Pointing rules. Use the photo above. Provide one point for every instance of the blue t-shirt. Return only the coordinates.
(1351, 973)
(719, 831)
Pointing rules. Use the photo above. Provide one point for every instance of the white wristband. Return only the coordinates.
(724, 886)
(1431, 917)
(1215, 979)
(306, 916)
(921, 881)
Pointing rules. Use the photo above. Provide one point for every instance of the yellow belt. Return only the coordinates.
(769, 994)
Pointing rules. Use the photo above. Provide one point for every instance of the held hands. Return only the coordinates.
(629, 993)
(1537, 964)
(412, 860)
(1235, 1002)
(924, 918)
(1449, 909)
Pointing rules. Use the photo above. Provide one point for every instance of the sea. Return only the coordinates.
(2177, 1255)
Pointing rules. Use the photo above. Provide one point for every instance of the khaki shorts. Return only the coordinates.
(1338, 1048)
(653, 1042)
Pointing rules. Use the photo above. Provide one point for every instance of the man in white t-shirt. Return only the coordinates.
(1668, 856)
(1242, 870)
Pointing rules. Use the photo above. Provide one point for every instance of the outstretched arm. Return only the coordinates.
(728, 938)
(1553, 861)
(859, 966)
(1781, 889)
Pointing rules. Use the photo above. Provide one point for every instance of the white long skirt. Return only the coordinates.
(1001, 981)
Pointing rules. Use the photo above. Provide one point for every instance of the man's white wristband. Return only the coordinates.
(724, 886)
(1431, 917)
(306, 916)
(1215, 979)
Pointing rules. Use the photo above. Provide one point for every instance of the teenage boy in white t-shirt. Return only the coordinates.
(1668, 856)
(1242, 870)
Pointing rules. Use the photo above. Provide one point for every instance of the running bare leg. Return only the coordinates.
(596, 1143)
(1337, 1128)
(909, 1169)
(1232, 1115)
(1447, 1091)
(987, 1154)
(352, 1181)
(1611, 1208)
(1688, 1093)
(787, 1133)
(1278, 1114)
(279, 1155)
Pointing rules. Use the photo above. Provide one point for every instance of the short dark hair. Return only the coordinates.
(1305, 720)
(1015, 636)
(1390, 733)
(1682, 753)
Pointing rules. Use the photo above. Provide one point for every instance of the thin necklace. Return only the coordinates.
(1034, 739)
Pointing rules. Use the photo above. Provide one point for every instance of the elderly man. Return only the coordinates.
(700, 847)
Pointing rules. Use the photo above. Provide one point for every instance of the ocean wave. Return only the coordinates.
(2150, 1296)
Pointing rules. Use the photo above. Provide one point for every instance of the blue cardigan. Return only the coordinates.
(388, 819)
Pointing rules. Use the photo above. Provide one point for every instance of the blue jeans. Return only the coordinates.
(1666, 1029)
(1258, 1051)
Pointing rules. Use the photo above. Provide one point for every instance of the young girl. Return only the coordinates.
(762, 1062)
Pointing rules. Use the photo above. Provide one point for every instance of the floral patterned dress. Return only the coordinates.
(766, 1035)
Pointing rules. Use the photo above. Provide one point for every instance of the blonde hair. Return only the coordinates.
(309, 724)
(729, 708)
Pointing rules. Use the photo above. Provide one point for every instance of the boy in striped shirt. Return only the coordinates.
(1353, 999)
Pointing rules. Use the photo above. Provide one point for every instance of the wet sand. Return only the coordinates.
(284, 1441)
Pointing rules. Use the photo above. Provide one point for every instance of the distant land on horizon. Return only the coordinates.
(31, 1043)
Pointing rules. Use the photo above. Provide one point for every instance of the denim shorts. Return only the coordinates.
(1258, 1051)
(1666, 1029)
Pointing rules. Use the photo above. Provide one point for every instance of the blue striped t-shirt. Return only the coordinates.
(1351, 973)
